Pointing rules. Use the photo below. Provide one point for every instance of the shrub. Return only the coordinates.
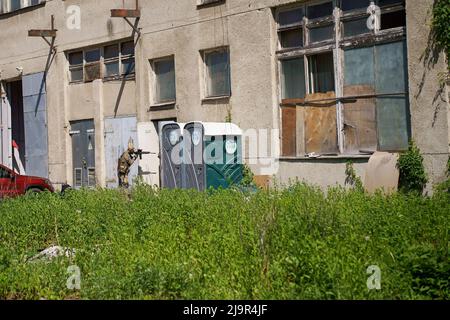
(413, 177)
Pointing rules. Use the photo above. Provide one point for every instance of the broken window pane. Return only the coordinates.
(92, 71)
(293, 78)
(291, 38)
(321, 69)
(393, 20)
(320, 10)
(348, 5)
(355, 27)
(92, 56)
(218, 71)
(321, 33)
(286, 18)
(165, 80)
(76, 58)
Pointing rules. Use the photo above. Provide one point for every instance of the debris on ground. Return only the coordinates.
(53, 252)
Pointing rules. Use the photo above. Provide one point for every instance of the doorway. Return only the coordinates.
(83, 153)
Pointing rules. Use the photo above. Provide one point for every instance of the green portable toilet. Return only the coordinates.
(221, 147)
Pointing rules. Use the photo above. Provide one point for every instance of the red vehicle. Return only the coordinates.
(13, 184)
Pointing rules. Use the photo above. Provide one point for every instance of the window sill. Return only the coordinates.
(327, 157)
(6, 15)
(223, 99)
(210, 4)
(162, 106)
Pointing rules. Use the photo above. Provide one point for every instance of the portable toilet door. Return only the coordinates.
(194, 165)
(171, 155)
(223, 154)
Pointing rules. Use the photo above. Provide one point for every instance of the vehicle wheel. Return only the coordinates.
(33, 191)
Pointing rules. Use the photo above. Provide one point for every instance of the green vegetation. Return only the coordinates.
(413, 177)
(351, 177)
(294, 243)
(441, 26)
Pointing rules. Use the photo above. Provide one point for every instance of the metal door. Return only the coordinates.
(83, 153)
(148, 139)
(117, 133)
(35, 122)
(171, 155)
(194, 164)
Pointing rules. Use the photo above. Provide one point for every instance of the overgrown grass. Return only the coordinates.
(294, 243)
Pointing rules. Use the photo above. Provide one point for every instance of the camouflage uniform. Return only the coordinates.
(126, 160)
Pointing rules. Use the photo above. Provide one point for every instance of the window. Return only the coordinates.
(76, 66)
(111, 59)
(368, 110)
(92, 67)
(109, 62)
(217, 65)
(164, 80)
(127, 58)
(355, 16)
(305, 25)
(14, 5)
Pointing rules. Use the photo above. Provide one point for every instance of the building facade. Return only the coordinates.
(313, 83)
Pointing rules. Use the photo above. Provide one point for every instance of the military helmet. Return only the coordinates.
(130, 144)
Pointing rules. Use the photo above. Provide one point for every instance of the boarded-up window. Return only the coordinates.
(320, 124)
(289, 123)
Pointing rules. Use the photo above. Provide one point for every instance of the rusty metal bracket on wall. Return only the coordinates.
(129, 13)
(44, 33)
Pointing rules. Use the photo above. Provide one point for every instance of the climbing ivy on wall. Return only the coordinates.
(441, 25)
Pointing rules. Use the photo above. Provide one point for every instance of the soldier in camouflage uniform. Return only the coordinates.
(126, 160)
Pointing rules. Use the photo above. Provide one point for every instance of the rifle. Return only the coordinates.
(139, 153)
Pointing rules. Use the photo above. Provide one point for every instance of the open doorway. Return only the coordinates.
(23, 117)
(14, 92)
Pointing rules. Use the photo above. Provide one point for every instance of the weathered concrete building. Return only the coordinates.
(330, 80)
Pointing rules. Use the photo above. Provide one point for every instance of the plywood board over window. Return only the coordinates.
(289, 121)
(320, 124)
